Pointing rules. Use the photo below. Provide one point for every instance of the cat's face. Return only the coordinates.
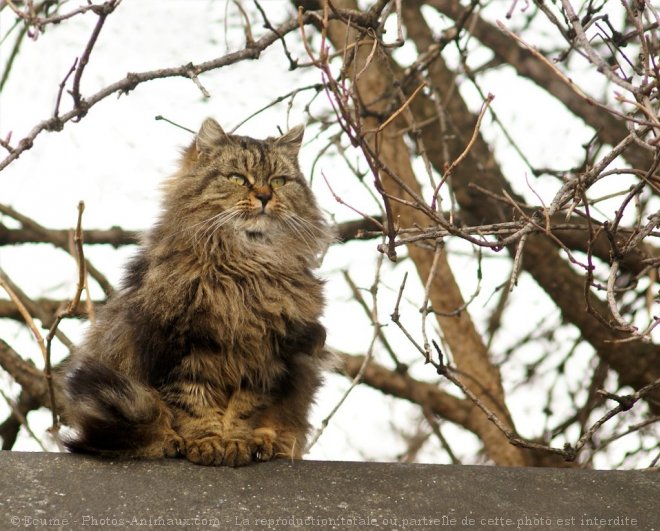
(251, 189)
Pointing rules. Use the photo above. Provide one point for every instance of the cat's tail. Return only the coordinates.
(115, 415)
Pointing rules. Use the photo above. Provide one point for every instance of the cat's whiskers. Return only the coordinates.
(212, 224)
(314, 229)
(217, 224)
(218, 221)
(299, 227)
(204, 222)
(188, 228)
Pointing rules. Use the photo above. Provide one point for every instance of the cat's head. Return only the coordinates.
(234, 186)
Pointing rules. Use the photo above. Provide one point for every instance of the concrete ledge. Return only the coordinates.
(59, 491)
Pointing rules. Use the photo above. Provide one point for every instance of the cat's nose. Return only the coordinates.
(264, 195)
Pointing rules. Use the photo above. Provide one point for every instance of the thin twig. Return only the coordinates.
(103, 13)
(22, 419)
(132, 80)
(29, 321)
(475, 134)
(367, 359)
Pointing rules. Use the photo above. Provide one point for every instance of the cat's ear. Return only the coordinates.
(292, 139)
(210, 135)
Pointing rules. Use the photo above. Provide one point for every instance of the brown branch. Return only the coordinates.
(116, 236)
(24, 373)
(513, 437)
(7, 285)
(56, 239)
(132, 80)
(11, 426)
(401, 385)
(10, 62)
(40, 22)
(45, 346)
(102, 12)
(638, 364)
(58, 100)
(595, 59)
(625, 403)
(609, 128)
(68, 312)
(44, 309)
(390, 163)
(451, 167)
(433, 400)
(357, 296)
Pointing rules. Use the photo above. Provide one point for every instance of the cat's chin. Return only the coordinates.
(258, 229)
(258, 225)
(256, 235)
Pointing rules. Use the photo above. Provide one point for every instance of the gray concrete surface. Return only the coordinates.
(59, 491)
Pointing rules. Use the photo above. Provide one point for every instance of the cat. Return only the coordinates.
(213, 348)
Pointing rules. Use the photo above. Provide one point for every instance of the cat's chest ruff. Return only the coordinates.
(241, 295)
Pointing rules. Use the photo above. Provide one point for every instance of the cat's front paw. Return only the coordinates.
(272, 443)
(169, 444)
(174, 446)
(214, 450)
(206, 450)
(264, 439)
(238, 453)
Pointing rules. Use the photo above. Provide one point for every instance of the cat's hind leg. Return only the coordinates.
(115, 415)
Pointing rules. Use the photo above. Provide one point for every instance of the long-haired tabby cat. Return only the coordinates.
(212, 348)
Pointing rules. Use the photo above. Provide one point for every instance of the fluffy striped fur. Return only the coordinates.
(212, 348)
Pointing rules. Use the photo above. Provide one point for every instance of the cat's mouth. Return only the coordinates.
(255, 235)
(258, 229)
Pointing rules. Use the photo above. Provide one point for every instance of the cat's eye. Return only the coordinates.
(238, 179)
(277, 182)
